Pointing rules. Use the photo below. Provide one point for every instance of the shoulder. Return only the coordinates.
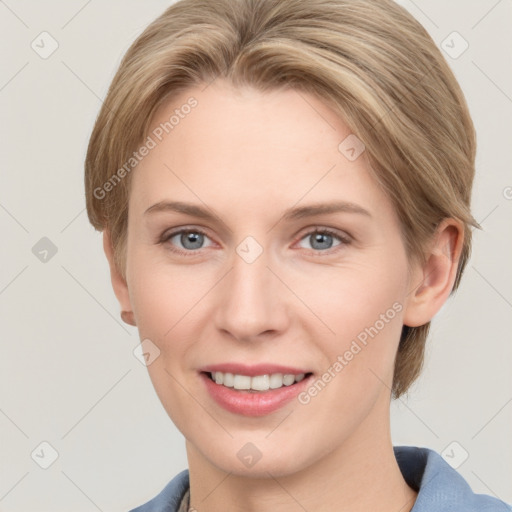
(169, 499)
(439, 486)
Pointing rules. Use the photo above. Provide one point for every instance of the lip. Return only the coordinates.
(252, 404)
(253, 369)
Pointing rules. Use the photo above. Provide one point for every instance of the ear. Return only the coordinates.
(118, 282)
(432, 282)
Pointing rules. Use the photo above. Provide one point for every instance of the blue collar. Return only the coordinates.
(440, 487)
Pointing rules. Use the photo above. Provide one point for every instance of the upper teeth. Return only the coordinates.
(258, 382)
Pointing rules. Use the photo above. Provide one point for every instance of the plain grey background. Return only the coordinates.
(68, 375)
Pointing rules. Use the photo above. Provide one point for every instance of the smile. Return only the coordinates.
(253, 390)
(257, 382)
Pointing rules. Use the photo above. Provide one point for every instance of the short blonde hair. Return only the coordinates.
(371, 61)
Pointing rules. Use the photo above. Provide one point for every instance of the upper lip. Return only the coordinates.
(253, 369)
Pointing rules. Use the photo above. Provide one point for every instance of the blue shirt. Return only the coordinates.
(440, 488)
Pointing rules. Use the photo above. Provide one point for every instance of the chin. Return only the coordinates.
(255, 459)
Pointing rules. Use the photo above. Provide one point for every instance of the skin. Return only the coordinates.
(248, 156)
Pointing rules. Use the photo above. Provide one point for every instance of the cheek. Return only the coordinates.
(351, 300)
(163, 296)
(166, 303)
(363, 308)
(365, 312)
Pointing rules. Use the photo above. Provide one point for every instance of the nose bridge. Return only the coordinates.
(251, 302)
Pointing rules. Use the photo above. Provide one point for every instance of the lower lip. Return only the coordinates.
(257, 403)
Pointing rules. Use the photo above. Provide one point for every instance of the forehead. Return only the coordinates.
(252, 150)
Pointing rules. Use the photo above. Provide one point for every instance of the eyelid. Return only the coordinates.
(342, 235)
(168, 234)
(344, 238)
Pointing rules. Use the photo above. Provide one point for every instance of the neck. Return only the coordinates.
(359, 475)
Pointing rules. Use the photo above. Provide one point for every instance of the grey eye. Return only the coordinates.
(189, 240)
(321, 241)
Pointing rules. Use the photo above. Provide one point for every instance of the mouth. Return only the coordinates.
(256, 383)
(256, 390)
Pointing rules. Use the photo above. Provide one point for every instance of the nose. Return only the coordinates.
(252, 302)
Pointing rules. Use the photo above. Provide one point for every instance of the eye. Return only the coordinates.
(185, 241)
(322, 239)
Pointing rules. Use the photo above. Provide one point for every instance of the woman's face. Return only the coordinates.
(248, 277)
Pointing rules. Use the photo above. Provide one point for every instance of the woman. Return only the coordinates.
(284, 189)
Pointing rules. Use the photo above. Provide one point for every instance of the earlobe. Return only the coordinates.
(119, 284)
(128, 318)
(433, 281)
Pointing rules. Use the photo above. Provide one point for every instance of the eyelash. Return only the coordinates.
(345, 240)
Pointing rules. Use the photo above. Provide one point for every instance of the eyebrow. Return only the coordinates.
(296, 213)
